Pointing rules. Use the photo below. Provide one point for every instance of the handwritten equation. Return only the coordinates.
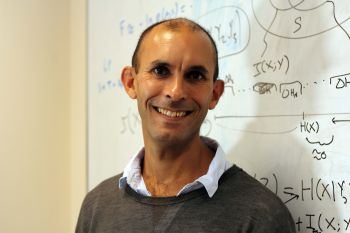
(128, 26)
(292, 89)
(313, 189)
(267, 66)
(130, 122)
(225, 25)
(321, 222)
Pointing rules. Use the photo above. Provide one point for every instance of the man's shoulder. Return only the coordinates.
(108, 183)
(104, 191)
(238, 185)
(251, 199)
(98, 199)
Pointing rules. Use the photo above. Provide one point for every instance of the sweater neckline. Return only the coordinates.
(178, 199)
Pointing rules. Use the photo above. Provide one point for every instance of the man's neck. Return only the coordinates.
(166, 170)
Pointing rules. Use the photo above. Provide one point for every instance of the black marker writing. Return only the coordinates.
(297, 22)
(318, 142)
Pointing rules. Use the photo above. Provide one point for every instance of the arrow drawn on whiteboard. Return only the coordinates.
(321, 144)
(293, 195)
(335, 121)
(303, 115)
(257, 132)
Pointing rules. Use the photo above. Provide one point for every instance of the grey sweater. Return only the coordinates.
(241, 204)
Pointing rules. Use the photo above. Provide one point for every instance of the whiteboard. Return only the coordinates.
(285, 114)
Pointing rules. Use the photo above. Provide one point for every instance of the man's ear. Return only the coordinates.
(128, 79)
(218, 90)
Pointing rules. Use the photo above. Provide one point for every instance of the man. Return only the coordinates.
(179, 181)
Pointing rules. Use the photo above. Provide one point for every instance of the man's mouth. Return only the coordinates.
(169, 113)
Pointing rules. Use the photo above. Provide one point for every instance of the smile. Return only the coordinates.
(170, 113)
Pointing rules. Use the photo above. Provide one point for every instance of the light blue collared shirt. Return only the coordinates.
(133, 177)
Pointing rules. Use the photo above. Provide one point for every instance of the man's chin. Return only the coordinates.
(173, 139)
(168, 138)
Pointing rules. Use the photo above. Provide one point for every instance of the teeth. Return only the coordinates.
(170, 113)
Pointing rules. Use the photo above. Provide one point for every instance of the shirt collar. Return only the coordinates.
(132, 172)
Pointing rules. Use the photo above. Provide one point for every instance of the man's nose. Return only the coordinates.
(176, 88)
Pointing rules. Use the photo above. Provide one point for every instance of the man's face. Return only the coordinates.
(174, 85)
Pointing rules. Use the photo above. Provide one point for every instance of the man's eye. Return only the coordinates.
(161, 71)
(195, 76)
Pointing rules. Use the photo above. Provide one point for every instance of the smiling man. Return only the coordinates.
(179, 181)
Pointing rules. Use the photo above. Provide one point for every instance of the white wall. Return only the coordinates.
(78, 106)
(42, 114)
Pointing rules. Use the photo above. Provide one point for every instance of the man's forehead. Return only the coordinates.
(158, 34)
(163, 32)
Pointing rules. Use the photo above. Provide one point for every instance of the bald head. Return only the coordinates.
(175, 25)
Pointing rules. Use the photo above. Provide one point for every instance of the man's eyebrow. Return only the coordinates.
(199, 68)
(159, 63)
